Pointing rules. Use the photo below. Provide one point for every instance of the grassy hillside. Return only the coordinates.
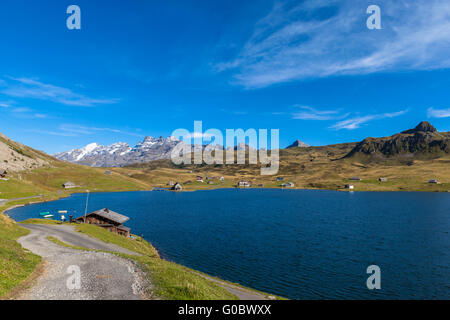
(47, 182)
(16, 263)
(313, 168)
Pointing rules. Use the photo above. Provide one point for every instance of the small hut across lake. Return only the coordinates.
(69, 185)
(107, 219)
(177, 187)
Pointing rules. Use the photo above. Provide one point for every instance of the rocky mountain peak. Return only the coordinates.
(298, 143)
(424, 126)
(422, 141)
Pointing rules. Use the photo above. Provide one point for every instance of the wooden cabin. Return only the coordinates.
(288, 185)
(381, 179)
(107, 219)
(69, 185)
(244, 184)
(177, 187)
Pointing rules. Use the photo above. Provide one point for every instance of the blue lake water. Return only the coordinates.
(300, 244)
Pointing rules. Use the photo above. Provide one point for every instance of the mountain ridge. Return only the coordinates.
(422, 141)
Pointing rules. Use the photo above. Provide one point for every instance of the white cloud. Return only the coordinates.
(357, 122)
(84, 130)
(31, 88)
(315, 114)
(438, 113)
(21, 110)
(52, 133)
(199, 135)
(5, 104)
(323, 38)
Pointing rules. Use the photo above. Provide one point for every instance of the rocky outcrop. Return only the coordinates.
(15, 156)
(423, 140)
(298, 144)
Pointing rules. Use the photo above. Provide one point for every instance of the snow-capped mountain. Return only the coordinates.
(120, 153)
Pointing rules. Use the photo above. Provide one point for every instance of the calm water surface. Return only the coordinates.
(301, 244)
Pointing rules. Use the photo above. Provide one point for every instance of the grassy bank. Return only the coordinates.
(16, 263)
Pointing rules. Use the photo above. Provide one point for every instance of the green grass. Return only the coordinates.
(175, 282)
(16, 263)
(41, 221)
(63, 244)
(137, 245)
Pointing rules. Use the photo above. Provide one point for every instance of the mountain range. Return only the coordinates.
(422, 141)
(120, 153)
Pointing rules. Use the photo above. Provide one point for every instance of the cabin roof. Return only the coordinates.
(110, 215)
(69, 183)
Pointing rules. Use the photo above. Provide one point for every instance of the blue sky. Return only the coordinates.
(309, 68)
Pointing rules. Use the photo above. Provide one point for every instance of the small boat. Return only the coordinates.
(43, 214)
(48, 216)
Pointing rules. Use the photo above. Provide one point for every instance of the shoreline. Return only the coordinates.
(6, 209)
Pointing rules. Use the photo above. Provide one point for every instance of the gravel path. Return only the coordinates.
(103, 276)
(67, 233)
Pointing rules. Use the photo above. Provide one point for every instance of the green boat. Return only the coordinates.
(43, 214)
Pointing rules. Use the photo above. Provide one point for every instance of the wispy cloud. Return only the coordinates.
(5, 104)
(357, 122)
(234, 112)
(438, 113)
(23, 112)
(75, 130)
(31, 88)
(199, 135)
(310, 113)
(85, 130)
(52, 133)
(318, 38)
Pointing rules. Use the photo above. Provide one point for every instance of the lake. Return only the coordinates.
(300, 244)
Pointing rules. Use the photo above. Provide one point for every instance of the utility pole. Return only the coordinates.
(85, 209)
